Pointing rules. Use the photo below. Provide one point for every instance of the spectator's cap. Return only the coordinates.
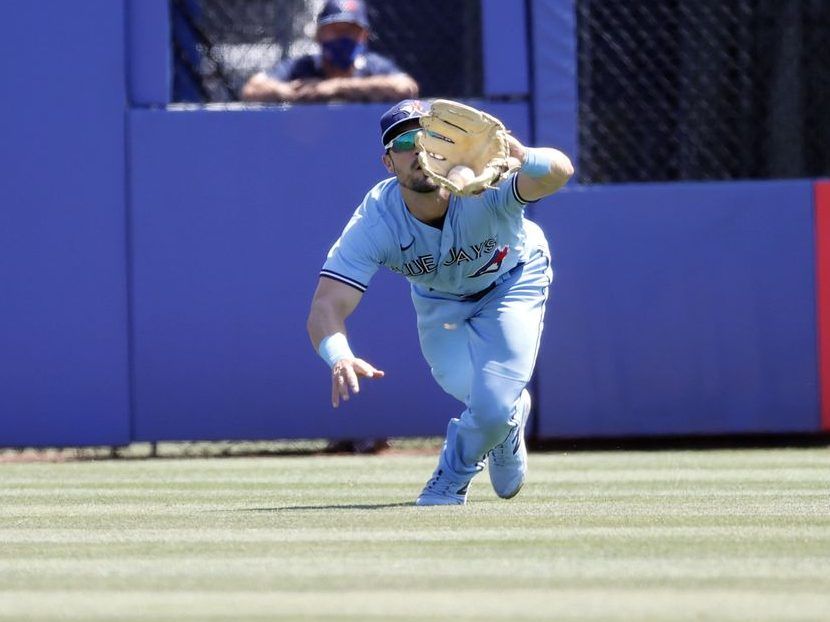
(399, 114)
(350, 11)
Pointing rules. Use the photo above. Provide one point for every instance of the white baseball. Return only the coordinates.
(461, 175)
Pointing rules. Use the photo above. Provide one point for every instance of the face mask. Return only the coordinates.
(342, 52)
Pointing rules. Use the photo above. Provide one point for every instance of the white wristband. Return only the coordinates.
(334, 348)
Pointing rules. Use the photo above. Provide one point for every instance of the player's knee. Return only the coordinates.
(455, 383)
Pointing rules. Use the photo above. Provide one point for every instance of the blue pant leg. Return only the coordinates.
(445, 343)
(504, 336)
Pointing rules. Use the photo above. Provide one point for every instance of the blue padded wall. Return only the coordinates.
(232, 215)
(150, 53)
(685, 308)
(554, 75)
(680, 308)
(63, 291)
(505, 55)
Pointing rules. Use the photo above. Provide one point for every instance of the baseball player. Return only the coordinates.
(479, 273)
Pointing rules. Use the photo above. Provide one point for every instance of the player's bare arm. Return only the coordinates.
(553, 169)
(333, 302)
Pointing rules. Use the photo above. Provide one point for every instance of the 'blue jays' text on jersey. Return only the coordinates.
(482, 237)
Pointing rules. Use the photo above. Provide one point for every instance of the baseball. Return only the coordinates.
(461, 175)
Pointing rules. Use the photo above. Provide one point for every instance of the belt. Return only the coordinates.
(500, 279)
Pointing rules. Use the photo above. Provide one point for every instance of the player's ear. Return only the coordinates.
(387, 162)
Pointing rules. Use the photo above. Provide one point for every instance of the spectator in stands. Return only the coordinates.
(344, 70)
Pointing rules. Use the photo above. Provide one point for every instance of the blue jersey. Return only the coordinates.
(311, 66)
(482, 238)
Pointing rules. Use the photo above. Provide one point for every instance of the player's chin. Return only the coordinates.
(421, 183)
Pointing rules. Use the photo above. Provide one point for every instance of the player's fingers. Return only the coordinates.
(342, 383)
(335, 392)
(339, 390)
(351, 381)
(363, 368)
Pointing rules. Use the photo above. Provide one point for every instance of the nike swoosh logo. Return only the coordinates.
(408, 246)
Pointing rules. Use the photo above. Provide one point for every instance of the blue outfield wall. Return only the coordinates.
(677, 309)
(553, 64)
(149, 54)
(63, 290)
(680, 308)
(505, 59)
(232, 214)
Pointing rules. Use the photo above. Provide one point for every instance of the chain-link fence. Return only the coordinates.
(668, 89)
(703, 89)
(219, 44)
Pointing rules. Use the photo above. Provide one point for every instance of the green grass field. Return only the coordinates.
(674, 535)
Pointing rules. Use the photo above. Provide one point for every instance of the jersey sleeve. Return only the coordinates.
(506, 198)
(356, 255)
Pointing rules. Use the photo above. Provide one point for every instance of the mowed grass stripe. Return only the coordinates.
(617, 475)
(232, 535)
(563, 604)
(595, 536)
(159, 493)
(562, 566)
(637, 515)
(354, 571)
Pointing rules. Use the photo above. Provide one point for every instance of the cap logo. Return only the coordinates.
(412, 107)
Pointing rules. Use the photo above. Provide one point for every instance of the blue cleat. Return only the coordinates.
(442, 490)
(507, 462)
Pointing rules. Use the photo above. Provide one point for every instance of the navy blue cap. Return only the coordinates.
(350, 11)
(399, 114)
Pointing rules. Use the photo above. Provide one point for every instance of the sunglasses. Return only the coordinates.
(403, 142)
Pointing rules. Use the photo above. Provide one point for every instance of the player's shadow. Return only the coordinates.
(348, 506)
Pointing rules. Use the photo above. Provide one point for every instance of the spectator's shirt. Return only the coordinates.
(482, 238)
(311, 66)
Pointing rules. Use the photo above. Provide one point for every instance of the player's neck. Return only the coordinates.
(429, 207)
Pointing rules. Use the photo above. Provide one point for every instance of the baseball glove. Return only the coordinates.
(458, 136)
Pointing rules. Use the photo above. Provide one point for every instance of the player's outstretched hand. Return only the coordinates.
(344, 378)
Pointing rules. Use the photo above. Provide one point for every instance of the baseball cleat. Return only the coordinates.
(507, 461)
(442, 490)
